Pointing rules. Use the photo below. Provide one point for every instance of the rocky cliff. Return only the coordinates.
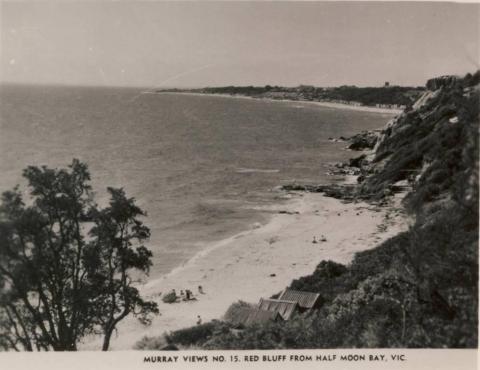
(427, 145)
(442, 81)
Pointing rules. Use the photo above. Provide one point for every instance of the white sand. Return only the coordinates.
(239, 267)
(319, 103)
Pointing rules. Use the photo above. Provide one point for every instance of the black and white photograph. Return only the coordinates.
(206, 176)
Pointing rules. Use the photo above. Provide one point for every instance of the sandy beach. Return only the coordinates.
(319, 103)
(263, 260)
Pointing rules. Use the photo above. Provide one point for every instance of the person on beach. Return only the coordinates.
(188, 293)
(323, 238)
(314, 241)
(200, 289)
(199, 320)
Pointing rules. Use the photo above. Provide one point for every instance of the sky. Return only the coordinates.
(194, 44)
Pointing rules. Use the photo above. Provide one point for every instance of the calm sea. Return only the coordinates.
(200, 166)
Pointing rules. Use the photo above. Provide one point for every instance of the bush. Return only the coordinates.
(235, 309)
(196, 335)
(326, 280)
(429, 192)
(439, 176)
(151, 343)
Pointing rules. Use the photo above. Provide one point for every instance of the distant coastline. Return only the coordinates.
(388, 98)
(326, 104)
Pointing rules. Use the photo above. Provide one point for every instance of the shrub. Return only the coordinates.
(196, 335)
(234, 310)
(151, 343)
(326, 280)
(439, 176)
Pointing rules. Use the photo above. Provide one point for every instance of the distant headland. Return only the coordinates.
(384, 97)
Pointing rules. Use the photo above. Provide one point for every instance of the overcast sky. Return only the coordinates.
(209, 44)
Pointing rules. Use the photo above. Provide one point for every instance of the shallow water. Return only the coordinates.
(199, 165)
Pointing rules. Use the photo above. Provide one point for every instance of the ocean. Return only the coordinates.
(203, 167)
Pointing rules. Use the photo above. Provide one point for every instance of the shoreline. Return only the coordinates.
(361, 108)
(241, 267)
(265, 258)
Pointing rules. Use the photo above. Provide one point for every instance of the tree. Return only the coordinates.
(66, 264)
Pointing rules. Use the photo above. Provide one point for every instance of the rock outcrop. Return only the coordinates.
(442, 81)
(364, 140)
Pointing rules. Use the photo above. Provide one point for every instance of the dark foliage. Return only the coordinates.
(328, 279)
(373, 95)
(194, 335)
(65, 263)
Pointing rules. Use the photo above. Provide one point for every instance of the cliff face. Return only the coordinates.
(436, 83)
(427, 146)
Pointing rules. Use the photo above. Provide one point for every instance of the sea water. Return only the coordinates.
(203, 167)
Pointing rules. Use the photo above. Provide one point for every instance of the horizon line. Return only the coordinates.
(59, 84)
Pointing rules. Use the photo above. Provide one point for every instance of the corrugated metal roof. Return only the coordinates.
(237, 315)
(283, 307)
(246, 316)
(304, 299)
(257, 316)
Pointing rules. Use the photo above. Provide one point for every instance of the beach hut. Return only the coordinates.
(247, 316)
(306, 301)
(258, 316)
(285, 308)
